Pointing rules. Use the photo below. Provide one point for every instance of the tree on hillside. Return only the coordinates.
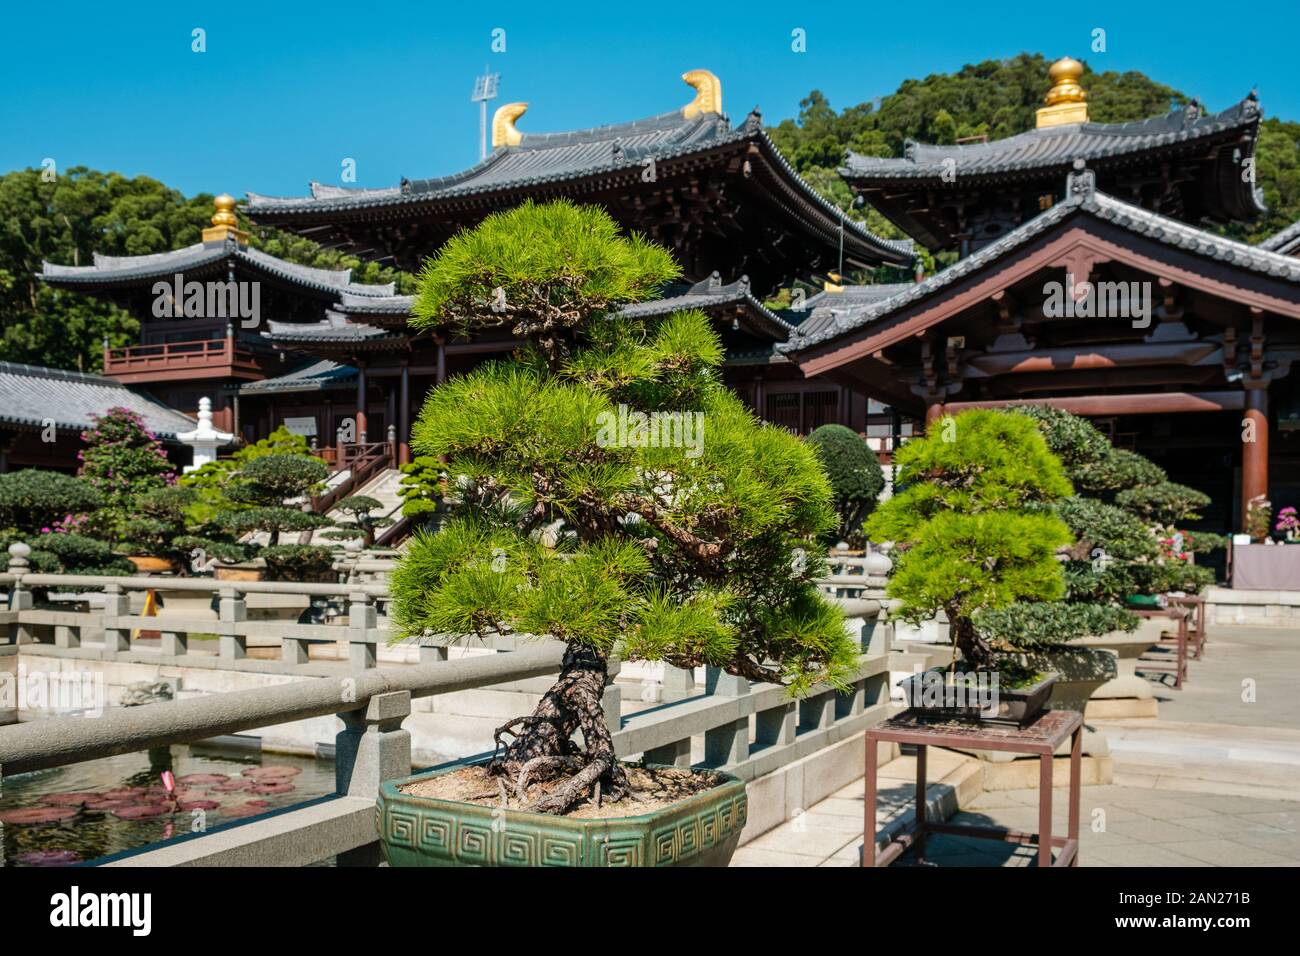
(999, 98)
(84, 211)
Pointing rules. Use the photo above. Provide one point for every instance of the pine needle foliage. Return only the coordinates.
(568, 520)
(973, 523)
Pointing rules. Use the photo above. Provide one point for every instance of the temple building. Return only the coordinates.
(202, 310)
(722, 198)
(1086, 279)
(1188, 165)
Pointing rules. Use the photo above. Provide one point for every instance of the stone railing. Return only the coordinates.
(754, 732)
(99, 608)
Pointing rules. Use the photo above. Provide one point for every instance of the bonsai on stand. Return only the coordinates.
(578, 514)
(974, 530)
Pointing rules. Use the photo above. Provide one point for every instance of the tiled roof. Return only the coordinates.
(821, 310)
(35, 396)
(545, 158)
(312, 377)
(712, 293)
(1285, 241)
(1081, 198)
(336, 327)
(1053, 146)
(125, 270)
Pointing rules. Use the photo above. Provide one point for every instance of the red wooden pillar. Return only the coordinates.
(933, 412)
(361, 403)
(1254, 454)
(404, 417)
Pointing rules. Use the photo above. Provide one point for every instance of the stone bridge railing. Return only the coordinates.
(756, 732)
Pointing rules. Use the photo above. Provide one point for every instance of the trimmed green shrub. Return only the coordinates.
(855, 475)
(33, 500)
(1166, 503)
(299, 562)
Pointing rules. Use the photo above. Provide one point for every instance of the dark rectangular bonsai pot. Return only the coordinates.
(702, 830)
(1010, 706)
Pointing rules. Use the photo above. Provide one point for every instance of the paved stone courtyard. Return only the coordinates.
(1214, 781)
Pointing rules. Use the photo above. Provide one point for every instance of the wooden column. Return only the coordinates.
(361, 402)
(404, 417)
(933, 412)
(442, 363)
(1254, 454)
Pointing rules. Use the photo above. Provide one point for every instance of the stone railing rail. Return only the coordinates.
(63, 627)
(373, 747)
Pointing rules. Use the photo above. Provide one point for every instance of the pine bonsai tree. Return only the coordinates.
(969, 516)
(360, 521)
(273, 489)
(855, 476)
(575, 515)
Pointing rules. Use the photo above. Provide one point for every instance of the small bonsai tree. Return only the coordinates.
(360, 521)
(160, 528)
(970, 517)
(211, 481)
(692, 552)
(855, 476)
(273, 488)
(122, 460)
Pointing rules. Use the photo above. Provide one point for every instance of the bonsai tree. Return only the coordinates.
(273, 489)
(612, 540)
(73, 553)
(359, 521)
(160, 528)
(122, 460)
(971, 521)
(855, 476)
(210, 481)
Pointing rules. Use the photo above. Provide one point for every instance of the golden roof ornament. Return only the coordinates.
(1066, 100)
(225, 224)
(708, 93)
(503, 125)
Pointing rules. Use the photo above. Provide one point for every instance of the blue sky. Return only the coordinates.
(287, 91)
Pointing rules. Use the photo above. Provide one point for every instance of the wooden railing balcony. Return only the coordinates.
(165, 361)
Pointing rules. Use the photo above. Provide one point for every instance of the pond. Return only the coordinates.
(88, 810)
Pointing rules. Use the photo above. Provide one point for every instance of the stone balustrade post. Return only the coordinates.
(363, 630)
(117, 604)
(233, 611)
(728, 743)
(777, 725)
(678, 684)
(371, 748)
(20, 598)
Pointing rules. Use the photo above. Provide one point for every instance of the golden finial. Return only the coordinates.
(224, 221)
(1066, 100)
(708, 93)
(834, 282)
(503, 125)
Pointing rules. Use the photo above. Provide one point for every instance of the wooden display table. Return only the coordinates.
(1161, 664)
(1041, 739)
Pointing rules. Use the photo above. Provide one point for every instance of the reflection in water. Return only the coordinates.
(88, 810)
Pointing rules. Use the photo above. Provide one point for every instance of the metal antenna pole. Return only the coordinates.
(485, 88)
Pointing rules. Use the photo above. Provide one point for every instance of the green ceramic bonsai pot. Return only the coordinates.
(702, 830)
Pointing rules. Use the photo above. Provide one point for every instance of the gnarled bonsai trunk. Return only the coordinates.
(543, 748)
(975, 650)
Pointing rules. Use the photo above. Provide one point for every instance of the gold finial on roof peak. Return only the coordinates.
(503, 125)
(708, 93)
(224, 221)
(1066, 100)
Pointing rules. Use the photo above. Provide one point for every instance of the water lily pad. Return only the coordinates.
(274, 786)
(200, 805)
(141, 811)
(70, 799)
(34, 816)
(49, 858)
(202, 779)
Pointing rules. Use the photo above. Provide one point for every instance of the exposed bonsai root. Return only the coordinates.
(543, 749)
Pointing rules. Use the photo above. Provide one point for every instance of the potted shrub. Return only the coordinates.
(855, 475)
(564, 524)
(974, 533)
(1289, 524)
